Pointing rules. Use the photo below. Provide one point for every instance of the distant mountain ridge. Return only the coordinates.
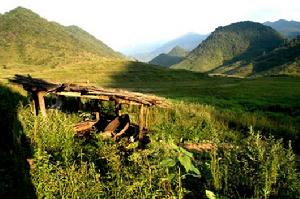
(27, 38)
(235, 44)
(290, 29)
(176, 55)
(188, 41)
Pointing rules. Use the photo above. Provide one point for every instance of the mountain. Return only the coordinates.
(178, 52)
(282, 60)
(289, 29)
(27, 38)
(233, 45)
(188, 41)
(141, 48)
(173, 57)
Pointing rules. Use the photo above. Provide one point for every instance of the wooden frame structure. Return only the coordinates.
(38, 88)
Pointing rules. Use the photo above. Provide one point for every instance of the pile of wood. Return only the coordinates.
(81, 127)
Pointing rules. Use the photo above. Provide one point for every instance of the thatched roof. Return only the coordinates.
(106, 94)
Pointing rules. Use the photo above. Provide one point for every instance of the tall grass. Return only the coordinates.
(248, 166)
(245, 163)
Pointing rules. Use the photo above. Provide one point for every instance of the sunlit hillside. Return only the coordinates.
(27, 38)
(72, 127)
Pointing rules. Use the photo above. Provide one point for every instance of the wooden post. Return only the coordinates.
(34, 102)
(141, 123)
(41, 102)
(147, 117)
(117, 108)
(79, 104)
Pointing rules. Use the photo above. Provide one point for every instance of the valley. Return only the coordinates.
(232, 129)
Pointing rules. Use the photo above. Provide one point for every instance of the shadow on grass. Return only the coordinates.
(15, 180)
(231, 106)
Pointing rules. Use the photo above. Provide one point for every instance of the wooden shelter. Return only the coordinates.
(38, 88)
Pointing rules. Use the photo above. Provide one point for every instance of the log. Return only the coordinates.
(86, 125)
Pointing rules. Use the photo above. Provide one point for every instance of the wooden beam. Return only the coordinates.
(141, 123)
(99, 97)
(41, 102)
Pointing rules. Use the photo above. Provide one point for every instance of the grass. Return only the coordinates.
(246, 163)
(268, 104)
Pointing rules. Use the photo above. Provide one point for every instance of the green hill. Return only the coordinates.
(176, 55)
(236, 43)
(282, 60)
(178, 51)
(26, 38)
(290, 29)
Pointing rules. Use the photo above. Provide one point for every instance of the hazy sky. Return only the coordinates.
(121, 23)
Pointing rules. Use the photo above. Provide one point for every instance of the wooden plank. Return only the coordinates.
(69, 94)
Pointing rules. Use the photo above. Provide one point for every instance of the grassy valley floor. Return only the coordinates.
(239, 117)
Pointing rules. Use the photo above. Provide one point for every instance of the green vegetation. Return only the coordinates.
(269, 104)
(248, 166)
(245, 164)
(238, 42)
(282, 60)
(248, 128)
(26, 38)
(178, 51)
(176, 55)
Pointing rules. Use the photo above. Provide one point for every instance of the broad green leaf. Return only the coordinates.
(210, 194)
(132, 145)
(185, 152)
(171, 177)
(186, 162)
(168, 162)
(174, 146)
(195, 170)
